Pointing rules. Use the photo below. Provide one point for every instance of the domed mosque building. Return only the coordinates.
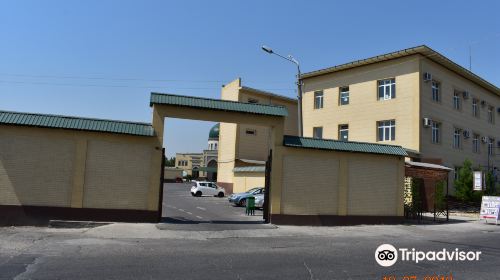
(210, 155)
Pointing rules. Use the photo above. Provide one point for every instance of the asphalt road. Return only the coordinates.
(129, 251)
(206, 238)
(182, 211)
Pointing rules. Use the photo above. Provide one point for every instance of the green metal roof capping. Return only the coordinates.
(217, 104)
(68, 122)
(257, 168)
(343, 146)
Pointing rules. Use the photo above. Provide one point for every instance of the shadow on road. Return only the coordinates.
(171, 220)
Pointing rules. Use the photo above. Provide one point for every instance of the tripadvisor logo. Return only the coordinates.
(387, 255)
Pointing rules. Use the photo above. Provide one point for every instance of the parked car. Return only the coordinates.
(206, 188)
(240, 199)
(259, 200)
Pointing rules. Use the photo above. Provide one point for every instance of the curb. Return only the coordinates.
(76, 224)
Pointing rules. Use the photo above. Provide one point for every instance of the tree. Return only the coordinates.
(463, 183)
(170, 162)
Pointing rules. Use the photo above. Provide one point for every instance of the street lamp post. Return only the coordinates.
(299, 84)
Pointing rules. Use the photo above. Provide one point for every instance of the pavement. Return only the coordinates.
(181, 211)
(208, 250)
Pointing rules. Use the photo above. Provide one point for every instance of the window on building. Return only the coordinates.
(475, 143)
(436, 130)
(436, 94)
(456, 100)
(456, 172)
(475, 107)
(253, 100)
(344, 132)
(387, 89)
(386, 130)
(318, 99)
(491, 150)
(457, 138)
(344, 96)
(251, 132)
(215, 145)
(490, 114)
(318, 132)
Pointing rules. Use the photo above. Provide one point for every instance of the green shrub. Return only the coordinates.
(463, 184)
(440, 196)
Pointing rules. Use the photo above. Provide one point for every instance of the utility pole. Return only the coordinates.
(299, 85)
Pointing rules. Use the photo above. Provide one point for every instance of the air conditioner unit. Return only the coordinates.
(466, 134)
(427, 77)
(466, 94)
(427, 122)
(484, 139)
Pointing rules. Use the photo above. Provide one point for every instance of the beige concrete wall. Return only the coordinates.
(227, 138)
(310, 184)
(256, 146)
(243, 181)
(67, 168)
(316, 182)
(35, 170)
(450, 118)
(172, 173)
(373, 183)
(116, 175)
(364, 109)
(235, 143)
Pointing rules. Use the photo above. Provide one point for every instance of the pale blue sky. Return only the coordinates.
(103, 58)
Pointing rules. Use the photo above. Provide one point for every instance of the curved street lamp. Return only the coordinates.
(299, 84)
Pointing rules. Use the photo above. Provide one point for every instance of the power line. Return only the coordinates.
(108, 78)
(123, 86)
(131, 79)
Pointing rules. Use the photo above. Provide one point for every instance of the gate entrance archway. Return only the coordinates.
(223, 111)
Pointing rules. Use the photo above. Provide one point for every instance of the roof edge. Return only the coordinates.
(75, 117)
(423, 50)
(402, 152)
(211, 99)
(267, 93)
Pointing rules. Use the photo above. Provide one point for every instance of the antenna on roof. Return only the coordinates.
(470, 58)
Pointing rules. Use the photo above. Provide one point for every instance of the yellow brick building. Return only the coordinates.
(417, 98)
(242, 145)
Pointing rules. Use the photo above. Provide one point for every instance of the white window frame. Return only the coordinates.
(491, 147)
(388, 128)
(491, 118)
(456, 101)
(475, 107)
(343, 128)
(388, 87)
(476, 146)
(318, 99)
(457, 138)
(344, 96)
(317, 129)
(436, 130)
(436, 91)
